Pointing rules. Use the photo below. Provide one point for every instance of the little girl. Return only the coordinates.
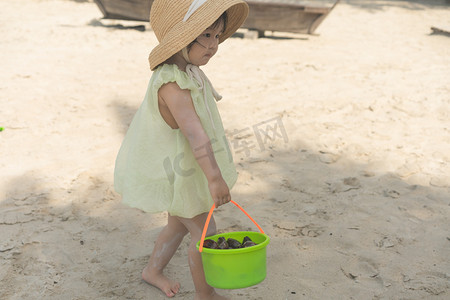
(175, 156)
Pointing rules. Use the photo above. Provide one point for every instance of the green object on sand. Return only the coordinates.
(1, 129)
(236, 268)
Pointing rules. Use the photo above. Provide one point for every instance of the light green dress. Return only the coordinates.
(155, 168)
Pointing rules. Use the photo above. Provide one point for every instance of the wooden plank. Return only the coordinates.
(306, 3)
(319, 20)
(321, 6)
(285, 16)
(101, 7)
(273, 15)
(138, 10)
(275, 18)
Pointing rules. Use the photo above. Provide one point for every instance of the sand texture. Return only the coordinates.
(341, 140)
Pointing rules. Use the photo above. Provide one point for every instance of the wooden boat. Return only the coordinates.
(288, 16)
(136, 10)
(302, 16)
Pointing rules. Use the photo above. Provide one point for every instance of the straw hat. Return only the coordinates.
(174, 32)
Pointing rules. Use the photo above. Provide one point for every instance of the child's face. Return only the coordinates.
(205, 46)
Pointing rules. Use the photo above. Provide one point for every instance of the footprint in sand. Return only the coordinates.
(328, 157)
(294, 229)
(434, 283)
(344, 185)
(311, 231)
(362, 269)
(387, 242)
(391, 194)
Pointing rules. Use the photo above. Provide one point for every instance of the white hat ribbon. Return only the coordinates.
(194, 6)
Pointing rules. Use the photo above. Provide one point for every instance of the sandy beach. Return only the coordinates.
(341, 140)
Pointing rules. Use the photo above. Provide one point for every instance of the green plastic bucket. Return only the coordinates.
(235, 268)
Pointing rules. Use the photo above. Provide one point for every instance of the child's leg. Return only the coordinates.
(195, 227)
(166, 245)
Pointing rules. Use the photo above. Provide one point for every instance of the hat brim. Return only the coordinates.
(183, 33)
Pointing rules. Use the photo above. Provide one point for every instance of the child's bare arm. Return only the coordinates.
(180, 105)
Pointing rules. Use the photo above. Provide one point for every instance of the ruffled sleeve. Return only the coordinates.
(171, 73)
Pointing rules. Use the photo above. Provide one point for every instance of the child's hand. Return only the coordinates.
(219, 191)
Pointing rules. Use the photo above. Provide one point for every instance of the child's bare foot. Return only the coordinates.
(210, 296)
(167, 286)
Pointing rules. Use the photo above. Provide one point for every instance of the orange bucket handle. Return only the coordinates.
(205, 228)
